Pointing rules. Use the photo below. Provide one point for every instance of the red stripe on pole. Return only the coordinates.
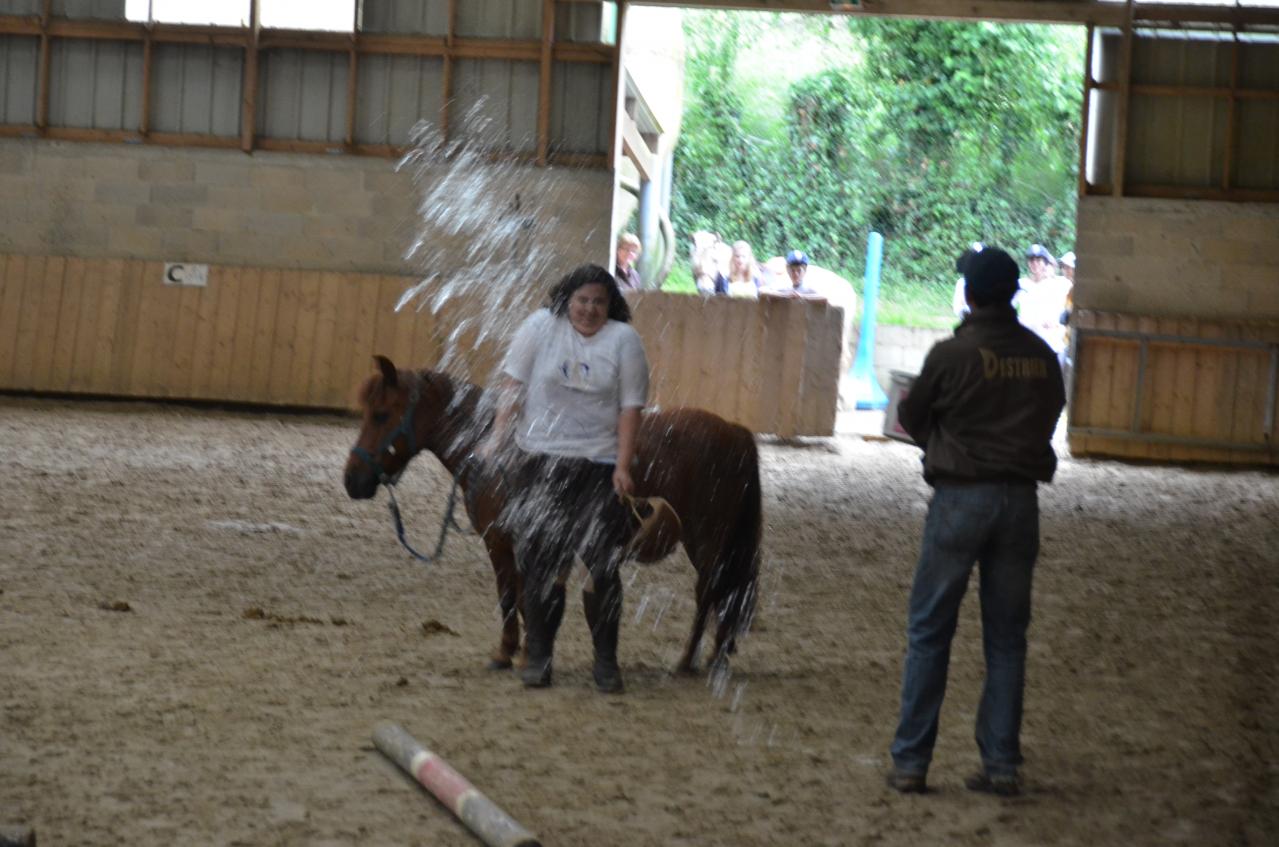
(481, 815)
(444, 782)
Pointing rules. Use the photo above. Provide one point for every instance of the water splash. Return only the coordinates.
(500, 216)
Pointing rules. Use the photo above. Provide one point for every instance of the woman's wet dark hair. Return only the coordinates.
(618, 309)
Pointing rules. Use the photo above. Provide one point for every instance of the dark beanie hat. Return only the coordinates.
(990, 277)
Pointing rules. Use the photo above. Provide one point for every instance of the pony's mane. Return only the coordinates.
(369, 387)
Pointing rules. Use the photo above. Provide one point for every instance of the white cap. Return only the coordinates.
(1068, 259)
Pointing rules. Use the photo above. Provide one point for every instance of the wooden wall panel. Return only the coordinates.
(304, 338)
(1199, 402)
(13, 278)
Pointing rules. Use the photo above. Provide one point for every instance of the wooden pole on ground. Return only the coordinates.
(480, 814)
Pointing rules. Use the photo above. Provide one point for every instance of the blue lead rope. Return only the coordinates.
(444, 526)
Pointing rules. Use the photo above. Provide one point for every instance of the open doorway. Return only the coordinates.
(806, 132)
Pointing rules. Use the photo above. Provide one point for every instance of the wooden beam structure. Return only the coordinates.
(1231, 114)
(446, 100)
(616, 86)
(1085, 111)
(42, 86)
(144, 118)
(249, 94)
(545, 72)
(1125, 100)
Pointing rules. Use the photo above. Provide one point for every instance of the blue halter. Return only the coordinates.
(388, 443)
(388, 446)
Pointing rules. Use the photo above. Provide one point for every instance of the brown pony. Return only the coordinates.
(705, 467)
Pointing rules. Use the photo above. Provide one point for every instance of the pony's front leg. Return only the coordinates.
(510, 601)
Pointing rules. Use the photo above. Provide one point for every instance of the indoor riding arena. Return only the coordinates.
(207, 230)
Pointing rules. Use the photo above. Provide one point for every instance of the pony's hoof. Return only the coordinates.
(499, 664)
(686, 669)
(608, 679)
(536, 674)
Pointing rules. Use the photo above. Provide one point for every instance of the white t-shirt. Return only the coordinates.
(1039, 308)
(575, 385)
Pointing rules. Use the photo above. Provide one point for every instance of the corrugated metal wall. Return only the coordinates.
(18, 79)
(197, 89)
(395, 92)
(496, 102)
(106, 10)
(1258, 153)
(303, 95)
(1180, 112)
(499, 19)
(421, 17)
(96, 84)
(22, 7)
(581, 98)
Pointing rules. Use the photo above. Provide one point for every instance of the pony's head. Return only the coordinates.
(387, 438)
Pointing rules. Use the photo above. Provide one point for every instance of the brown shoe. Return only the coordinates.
(1002, 785)
(907, 783)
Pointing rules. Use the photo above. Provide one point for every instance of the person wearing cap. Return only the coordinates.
(958, 304)
(1042, 298)
(1067, 263)
(983, 408)
(796, 270)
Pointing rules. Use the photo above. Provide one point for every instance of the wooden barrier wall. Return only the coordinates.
(771, 365)
(1204, 390)
(304, 338)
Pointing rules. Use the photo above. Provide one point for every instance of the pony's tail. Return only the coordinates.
(738, 579)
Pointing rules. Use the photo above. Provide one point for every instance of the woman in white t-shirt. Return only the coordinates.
(574, 382)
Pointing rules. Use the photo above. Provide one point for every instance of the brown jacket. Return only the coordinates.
(986, 403)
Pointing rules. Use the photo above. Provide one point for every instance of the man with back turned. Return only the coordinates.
(983, 408)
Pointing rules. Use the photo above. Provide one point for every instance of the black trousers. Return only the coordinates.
(562, 506)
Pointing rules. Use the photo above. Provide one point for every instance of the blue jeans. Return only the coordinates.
(996, 525)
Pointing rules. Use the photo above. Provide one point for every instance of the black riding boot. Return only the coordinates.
(604, 616)
(542, 616)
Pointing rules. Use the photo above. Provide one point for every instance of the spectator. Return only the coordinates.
(796, 270)
(1067, 262)
(958, 304)
(1042, 298)
(743, 279)
(983, 408)
(707, 262)
(1068, 273)
(628, 250)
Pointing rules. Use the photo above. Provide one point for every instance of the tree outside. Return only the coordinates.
(810, 131)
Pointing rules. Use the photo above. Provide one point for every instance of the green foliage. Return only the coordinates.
(934, 134)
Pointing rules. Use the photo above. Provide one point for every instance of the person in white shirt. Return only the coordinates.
(574, 382)
(1042, 298)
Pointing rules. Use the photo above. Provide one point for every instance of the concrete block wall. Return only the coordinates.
(282, 210)
(903, 348)
(897, 348)
(1178, 257)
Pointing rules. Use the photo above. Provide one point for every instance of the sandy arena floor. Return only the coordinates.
(198, 632)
